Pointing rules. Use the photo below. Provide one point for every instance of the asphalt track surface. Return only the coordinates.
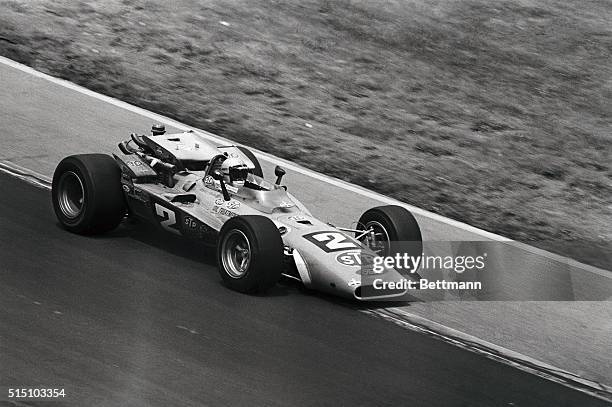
(140, 317)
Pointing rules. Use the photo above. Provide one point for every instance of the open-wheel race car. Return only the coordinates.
(192, 187)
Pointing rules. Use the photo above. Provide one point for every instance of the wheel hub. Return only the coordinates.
(378, 238)
(71, 195)
(236, 253)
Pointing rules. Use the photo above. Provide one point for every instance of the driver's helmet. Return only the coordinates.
(234, 171)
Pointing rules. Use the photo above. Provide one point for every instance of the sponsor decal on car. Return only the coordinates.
(354, 258)
(229, 204)
(331, 241)
(223, 211)
(286, 204)
(358, 258)
(209, 180)
(137, 167)
(354, 283)
(190, 222)
(193, 227)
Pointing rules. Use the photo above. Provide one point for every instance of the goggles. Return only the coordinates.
(238, 173)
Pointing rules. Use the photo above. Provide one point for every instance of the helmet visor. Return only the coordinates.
(238, 173)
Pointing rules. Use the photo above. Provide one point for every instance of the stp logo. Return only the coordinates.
(352, 258)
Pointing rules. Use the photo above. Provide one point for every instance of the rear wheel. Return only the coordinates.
(87, 195)
(392, 230)
(250, 254)
(257, 171)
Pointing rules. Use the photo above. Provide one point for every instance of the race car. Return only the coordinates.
(190, 186)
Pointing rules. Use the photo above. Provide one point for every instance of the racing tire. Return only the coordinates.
(398, 227)
(257, 171)
(87, 195)
(250, 254)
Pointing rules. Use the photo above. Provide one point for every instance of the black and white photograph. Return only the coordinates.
(305, 203)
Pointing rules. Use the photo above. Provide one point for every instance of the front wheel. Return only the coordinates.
(390, 230)
(86, 193)
(250, 254)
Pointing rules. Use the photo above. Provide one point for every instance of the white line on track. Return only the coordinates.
(25, 174)
(424, 325)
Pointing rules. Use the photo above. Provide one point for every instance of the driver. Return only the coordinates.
(234, 171)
